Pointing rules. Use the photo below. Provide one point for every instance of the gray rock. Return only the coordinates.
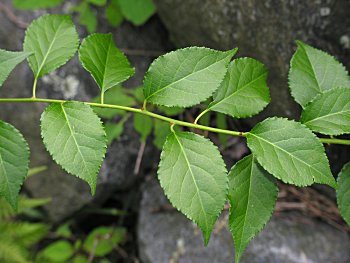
(264, 30)
(167, 236)
(68, 193)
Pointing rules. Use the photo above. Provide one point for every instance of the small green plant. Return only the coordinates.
(18, 236)
(191, 170)
(99, 243)
(135, 11)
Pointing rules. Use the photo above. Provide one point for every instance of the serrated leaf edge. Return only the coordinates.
(244, 115)
(315, 99)
(27, 150)
(340, 178)
(301, 44)
(206, 237)
(234, 51)
(275, 175)
(237, 260)
(34, 22)
(93, 190)
(112, 42)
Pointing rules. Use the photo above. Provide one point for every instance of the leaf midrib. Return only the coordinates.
(192, 73)
(326, 116)
(237, 91)
(246, 211)
(105, 66)
(194, 181)
(313, 70)
(72, 134)
(49, 49)
(293, 157)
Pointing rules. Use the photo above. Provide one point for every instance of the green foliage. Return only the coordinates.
(191, 171)
(185, 77)
(137, 11)
(143, 125)
(114, 13)
(312, 72)
(17, 237)
(75, 138)
(252, 196)
(8, 61)
(329, 112)
(193, 176)
(244, 90)
(14, 160)
(59, 251)
(290, 152)
(106, 63)
(114, 96)
(161, 131)
(222, 124)
(35, 4)
(343, 192)
(87, 17)
(102, 240)
(53, 40)
(113, 131)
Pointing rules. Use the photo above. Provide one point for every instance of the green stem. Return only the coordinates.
(163, 118)
(135, 110)
(200, 115)
(34, 87)
(335, 141)
(102, 97)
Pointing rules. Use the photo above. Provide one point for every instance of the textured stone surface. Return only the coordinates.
(167, 235)
(68, 193)
(264, 30)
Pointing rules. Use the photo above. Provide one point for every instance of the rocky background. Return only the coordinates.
(304, 228)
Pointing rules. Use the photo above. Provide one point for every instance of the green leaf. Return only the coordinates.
(329, 113)
(252, 196)
(53, 39)
(137, 11)
(74, 136)
(222, 124)
(143, 125)
(312, 72)
(14, 160)
(244, 91)
(194, 178)
(8, 61)
(161, 131)
(97, 2)
(186, 77)
(87, 17)
(171, 111)
(114, 96)
(343, 192)
(60, 251)
(35, 4)
(290, 152)
(106, 63)
(102, 240)
(113, 131)
(114, 13)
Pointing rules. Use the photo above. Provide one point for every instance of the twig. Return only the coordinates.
(139, 158)
(12, 17)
